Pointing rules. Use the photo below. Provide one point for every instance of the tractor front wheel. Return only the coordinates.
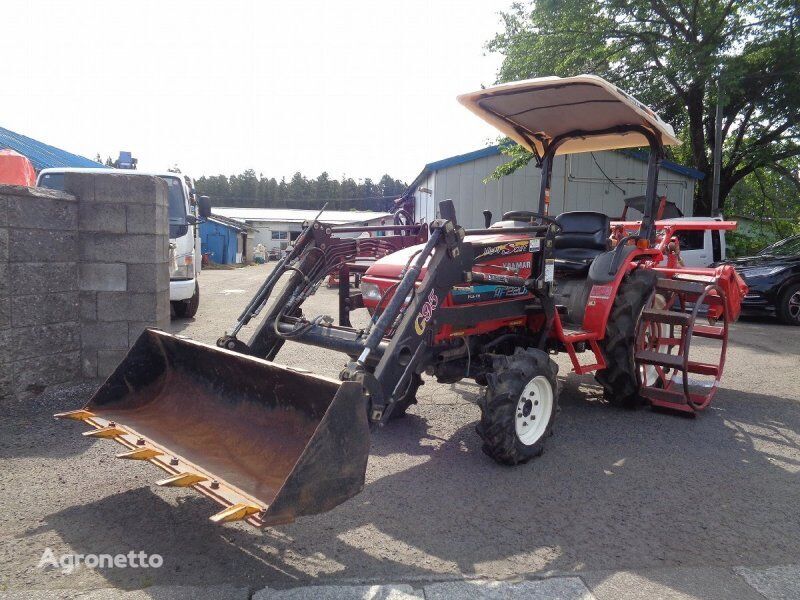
(519, 406)
(619, 378)
(408, 399)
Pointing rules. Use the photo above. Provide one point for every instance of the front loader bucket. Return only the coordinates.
(267, 442)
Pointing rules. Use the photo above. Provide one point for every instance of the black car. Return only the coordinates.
(773, 279)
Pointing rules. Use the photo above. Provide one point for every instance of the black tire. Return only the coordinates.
(499, 405)
(619, 379)
(186, 309)
(787, 305)
(408, 399)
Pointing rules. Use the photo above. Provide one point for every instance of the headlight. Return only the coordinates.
(763, 271)
(370, 291)
(183, 268)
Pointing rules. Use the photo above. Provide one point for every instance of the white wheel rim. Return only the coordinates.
(534, 408)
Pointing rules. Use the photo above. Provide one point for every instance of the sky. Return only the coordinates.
(351, 87)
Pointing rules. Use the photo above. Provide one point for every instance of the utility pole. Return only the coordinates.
(717, 149)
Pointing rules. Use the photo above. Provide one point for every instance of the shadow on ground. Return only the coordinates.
(614, 488)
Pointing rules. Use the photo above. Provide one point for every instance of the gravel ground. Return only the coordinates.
(615, 490)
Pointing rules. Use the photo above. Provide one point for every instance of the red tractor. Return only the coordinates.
(486, 304)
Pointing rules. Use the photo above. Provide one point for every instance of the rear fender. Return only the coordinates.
(603, 290)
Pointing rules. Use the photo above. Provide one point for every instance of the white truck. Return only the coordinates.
(699, 247)
(185, 212)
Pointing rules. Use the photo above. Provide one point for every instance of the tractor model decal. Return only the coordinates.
(484, 293)
(516, 265)
(507, 248)
(426, 312)
(509, 292)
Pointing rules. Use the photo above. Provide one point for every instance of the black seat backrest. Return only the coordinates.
(583, 229)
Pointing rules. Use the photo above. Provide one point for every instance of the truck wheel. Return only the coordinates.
(408, 399)
(186, 309)
(619, 380)
(519, 406)
(788, 308)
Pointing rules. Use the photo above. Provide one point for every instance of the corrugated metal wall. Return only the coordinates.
(577, 184)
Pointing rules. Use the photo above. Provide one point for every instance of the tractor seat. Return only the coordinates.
(583, 236)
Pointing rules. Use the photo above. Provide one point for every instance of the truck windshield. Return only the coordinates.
(177, 208)
(177, 203)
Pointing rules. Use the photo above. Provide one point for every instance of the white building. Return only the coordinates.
(276, 228)
(596, 181)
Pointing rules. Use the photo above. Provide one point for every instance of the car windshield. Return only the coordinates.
(788, 247)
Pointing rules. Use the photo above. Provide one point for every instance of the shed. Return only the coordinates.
(598, 181)
(224, 240)
(276, 228)
(44, 156)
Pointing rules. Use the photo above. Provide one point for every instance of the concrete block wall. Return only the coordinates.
(39, 317)
(81, 275)
(123, 272)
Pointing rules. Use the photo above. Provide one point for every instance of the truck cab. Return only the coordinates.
(699, 247)
(184, 257)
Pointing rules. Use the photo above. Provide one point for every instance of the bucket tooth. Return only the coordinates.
(140, 454)
(182, 480)
(75, 415)
(111, 431)
(237, 512)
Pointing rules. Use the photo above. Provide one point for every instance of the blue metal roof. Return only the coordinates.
(462, 158)
(493, 150)
(666, 164)
(43, 156)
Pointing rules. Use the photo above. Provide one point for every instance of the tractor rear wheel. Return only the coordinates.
(519, 406)
(408, 399)
(619, 378)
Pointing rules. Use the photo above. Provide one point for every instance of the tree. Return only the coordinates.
(772, 200)
(390, 186)
(670, 54)
(247, 189)
(248, 185)
(322, 187)
(299, 187)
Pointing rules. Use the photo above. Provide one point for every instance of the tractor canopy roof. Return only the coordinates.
(536, 111)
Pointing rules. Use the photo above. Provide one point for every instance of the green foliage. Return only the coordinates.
(249, 189)
(767, 205)
(668, 53)
(746, 244)
(519, 158)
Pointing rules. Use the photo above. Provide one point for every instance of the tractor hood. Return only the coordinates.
(392, 265)
(536, 111)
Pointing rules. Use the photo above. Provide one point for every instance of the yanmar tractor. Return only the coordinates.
(271, 443)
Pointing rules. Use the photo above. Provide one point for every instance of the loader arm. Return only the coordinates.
(268, 442)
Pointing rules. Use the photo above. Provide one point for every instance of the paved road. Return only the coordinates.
(614, 491)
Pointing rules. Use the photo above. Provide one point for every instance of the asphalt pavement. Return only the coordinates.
(623, 502)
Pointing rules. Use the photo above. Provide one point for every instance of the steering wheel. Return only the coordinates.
(527, 215)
